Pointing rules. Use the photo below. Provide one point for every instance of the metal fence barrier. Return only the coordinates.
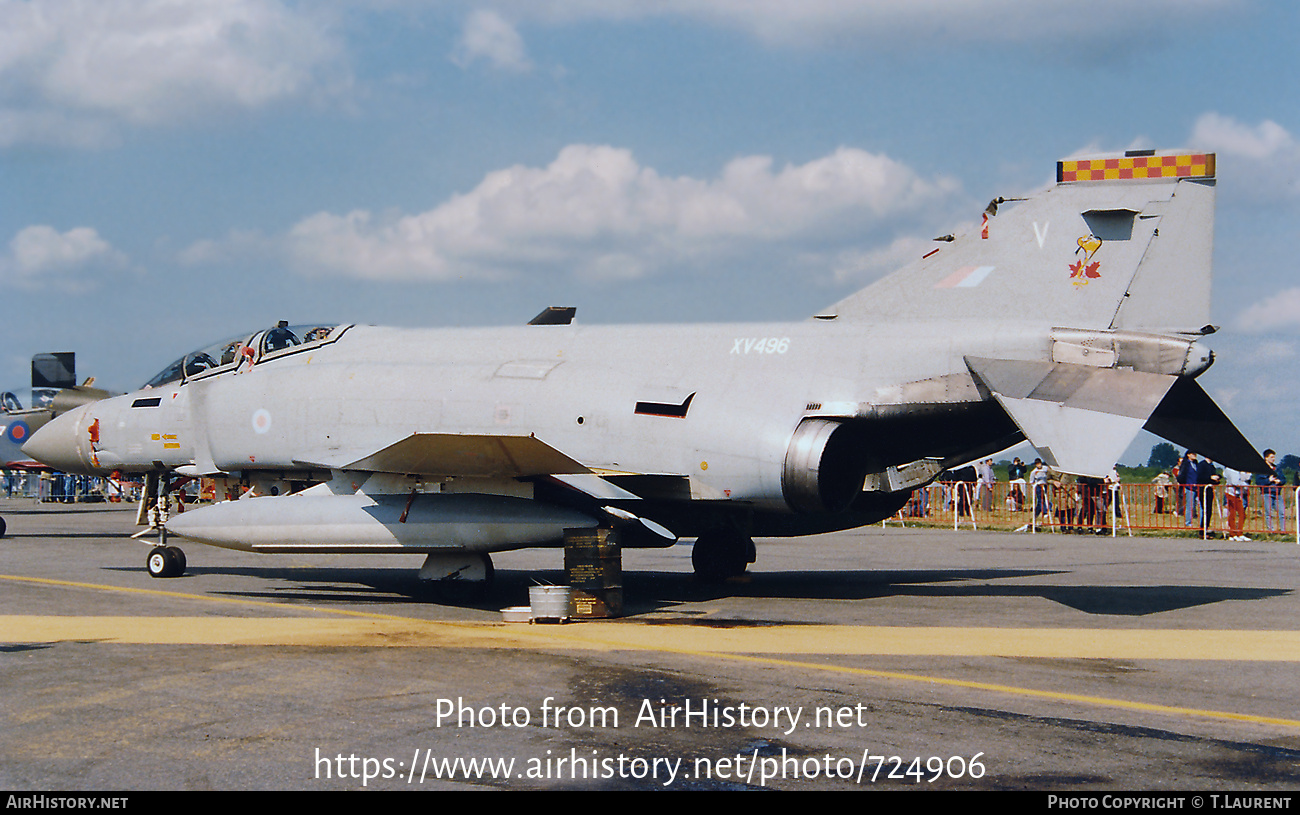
(1104, 510)
(59, 488)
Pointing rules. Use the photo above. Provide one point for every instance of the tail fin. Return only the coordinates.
(1118, 242)
(50, 373)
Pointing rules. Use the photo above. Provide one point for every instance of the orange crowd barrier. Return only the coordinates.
(1124, 509)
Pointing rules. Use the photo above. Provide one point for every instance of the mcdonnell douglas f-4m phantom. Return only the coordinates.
(1071, 319)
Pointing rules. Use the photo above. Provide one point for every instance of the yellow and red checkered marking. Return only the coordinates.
(1188, 165)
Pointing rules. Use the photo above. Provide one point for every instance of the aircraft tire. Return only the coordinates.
(2, 527)
(719, 555)
(161, 562)
(180, 560)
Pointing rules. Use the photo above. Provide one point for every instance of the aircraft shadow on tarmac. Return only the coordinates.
(649, 592)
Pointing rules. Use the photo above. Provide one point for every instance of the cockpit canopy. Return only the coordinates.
(246, 350)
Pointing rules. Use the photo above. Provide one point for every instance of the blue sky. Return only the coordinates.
(175, 172)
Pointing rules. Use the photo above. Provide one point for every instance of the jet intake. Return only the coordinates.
(823, 471)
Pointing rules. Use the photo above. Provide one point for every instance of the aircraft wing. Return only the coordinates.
(459, 454)
(454, 454)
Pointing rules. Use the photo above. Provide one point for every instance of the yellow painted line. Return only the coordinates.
(390, 632)
(367, 629)
(310, 631)
(1029, 693)
(180, 595)
(842, 640)
(833, 640)
(1042, 643)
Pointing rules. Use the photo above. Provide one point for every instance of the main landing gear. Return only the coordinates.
(722, 553)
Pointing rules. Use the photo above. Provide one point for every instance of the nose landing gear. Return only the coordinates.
(166, 561)
(163, 560)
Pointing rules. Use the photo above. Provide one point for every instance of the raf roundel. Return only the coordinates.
(261, 420)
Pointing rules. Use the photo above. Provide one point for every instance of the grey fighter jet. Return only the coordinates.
(1071, 319)
(54, 391)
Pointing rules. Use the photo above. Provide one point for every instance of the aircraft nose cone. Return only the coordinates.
(55, 444)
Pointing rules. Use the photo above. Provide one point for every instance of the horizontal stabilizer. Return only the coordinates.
(1188, 417)
(1117, 391)
(1080, 418)
(457, 454)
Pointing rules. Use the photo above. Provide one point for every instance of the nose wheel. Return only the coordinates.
(166, 561)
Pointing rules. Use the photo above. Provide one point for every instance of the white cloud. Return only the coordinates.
(594, 207)
(489, 36)
(870, 264)
(1262, 142)
(53, 127)
(239, 245)
(1276, 350)
(42, 256)
(1226, 397)
(1261, 162)
(1257, 163)
(886, 22)
(1281, 311)
(96, 63)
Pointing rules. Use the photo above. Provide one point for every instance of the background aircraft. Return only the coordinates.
(54, 391)
(1072, 319)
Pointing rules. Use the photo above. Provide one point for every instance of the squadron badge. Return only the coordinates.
(1085, 269)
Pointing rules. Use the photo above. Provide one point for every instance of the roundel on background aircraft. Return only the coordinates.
(17, 431)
